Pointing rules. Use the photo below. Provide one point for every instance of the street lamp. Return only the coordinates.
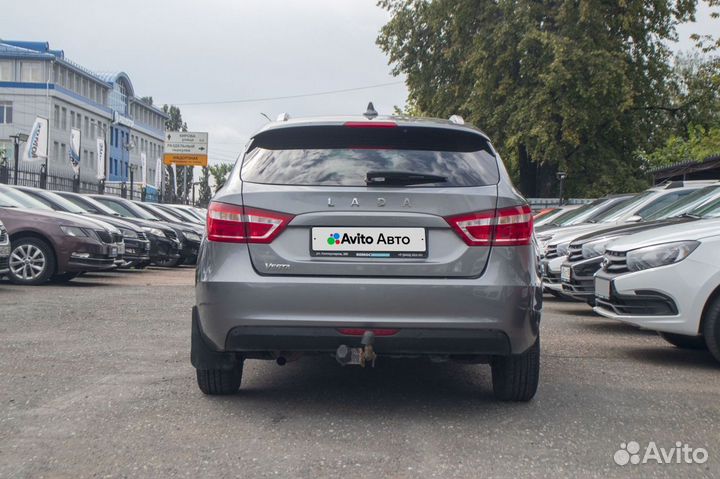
(17, 139)
(561, 175)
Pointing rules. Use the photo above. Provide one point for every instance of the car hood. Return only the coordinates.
(695, 230)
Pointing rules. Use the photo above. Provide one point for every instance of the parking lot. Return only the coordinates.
(96, 391)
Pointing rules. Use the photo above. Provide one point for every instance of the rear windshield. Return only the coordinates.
(342, 156)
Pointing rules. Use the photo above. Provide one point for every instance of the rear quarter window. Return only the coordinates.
(342, 156)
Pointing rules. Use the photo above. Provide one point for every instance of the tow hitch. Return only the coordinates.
(361, 356)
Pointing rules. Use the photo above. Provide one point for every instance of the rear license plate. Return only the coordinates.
(602, 288)
(368, 242)
(565, 273)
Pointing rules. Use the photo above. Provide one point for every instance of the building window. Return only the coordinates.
(63, 118)
(56, 151)
(6, 110)
(63, 152)
(31, 72)
(56, 117)
(87, 126)
(6, 70)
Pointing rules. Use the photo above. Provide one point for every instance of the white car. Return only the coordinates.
(667, 280)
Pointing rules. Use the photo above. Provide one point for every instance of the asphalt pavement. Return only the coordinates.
(96, 381)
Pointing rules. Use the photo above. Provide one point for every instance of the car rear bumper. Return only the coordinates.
(240, 310)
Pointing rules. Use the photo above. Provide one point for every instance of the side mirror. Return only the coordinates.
(634, 219)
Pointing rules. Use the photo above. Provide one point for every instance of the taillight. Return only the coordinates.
(241, 224)
(504, 227)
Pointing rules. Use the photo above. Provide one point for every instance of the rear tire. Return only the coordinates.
(516, 377)
(214, 382)
(711, 328)
(684, 342)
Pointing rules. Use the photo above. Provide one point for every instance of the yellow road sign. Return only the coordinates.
(185, 160)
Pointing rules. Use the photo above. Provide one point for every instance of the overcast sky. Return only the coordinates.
(182, 51)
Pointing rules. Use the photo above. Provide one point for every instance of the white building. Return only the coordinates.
(37, 81)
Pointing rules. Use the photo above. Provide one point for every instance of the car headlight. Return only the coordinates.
(74, 231)
(192, 236)
(659, 255)
(153, 231)
(128, 233)
(596, 248)
(563, 249)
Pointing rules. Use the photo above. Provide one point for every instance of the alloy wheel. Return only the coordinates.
(27, 261)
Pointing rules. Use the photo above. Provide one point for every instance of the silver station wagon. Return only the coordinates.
(368, 238)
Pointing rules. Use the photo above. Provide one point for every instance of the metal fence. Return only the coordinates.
(38, 178)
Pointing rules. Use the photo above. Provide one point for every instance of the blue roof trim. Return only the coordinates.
(31, 86)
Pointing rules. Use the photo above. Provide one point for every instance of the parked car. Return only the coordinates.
(4, 249)
(127, 209)
(135, 248)
(556, 248)
(384, 238)
(163, 247)
(584, 257)
(189, 234)
(667, 280)
(46, 245)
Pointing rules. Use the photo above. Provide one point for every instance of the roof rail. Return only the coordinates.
(457, 119)
(282, 117)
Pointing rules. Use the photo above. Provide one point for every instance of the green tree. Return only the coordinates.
(219, 173)
(205, 194)
(701, 143)
(578, 86)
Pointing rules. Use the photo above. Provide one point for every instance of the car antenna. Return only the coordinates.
(371, 112)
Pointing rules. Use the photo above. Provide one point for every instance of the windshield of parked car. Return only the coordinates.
(25, 200)
(160, 213)
(128, 209)
(708, 210)
(90, 204)
(7, 202)
(591, 214)
(182, 215)
(569, 214)
(64, 204)
(622, 208)
(694, 200)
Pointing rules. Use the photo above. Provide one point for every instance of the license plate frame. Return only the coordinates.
(113, 252)
(565, 273)
(357, 247)
(603, 287)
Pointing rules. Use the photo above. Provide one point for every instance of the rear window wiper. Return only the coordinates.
(401, 178)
